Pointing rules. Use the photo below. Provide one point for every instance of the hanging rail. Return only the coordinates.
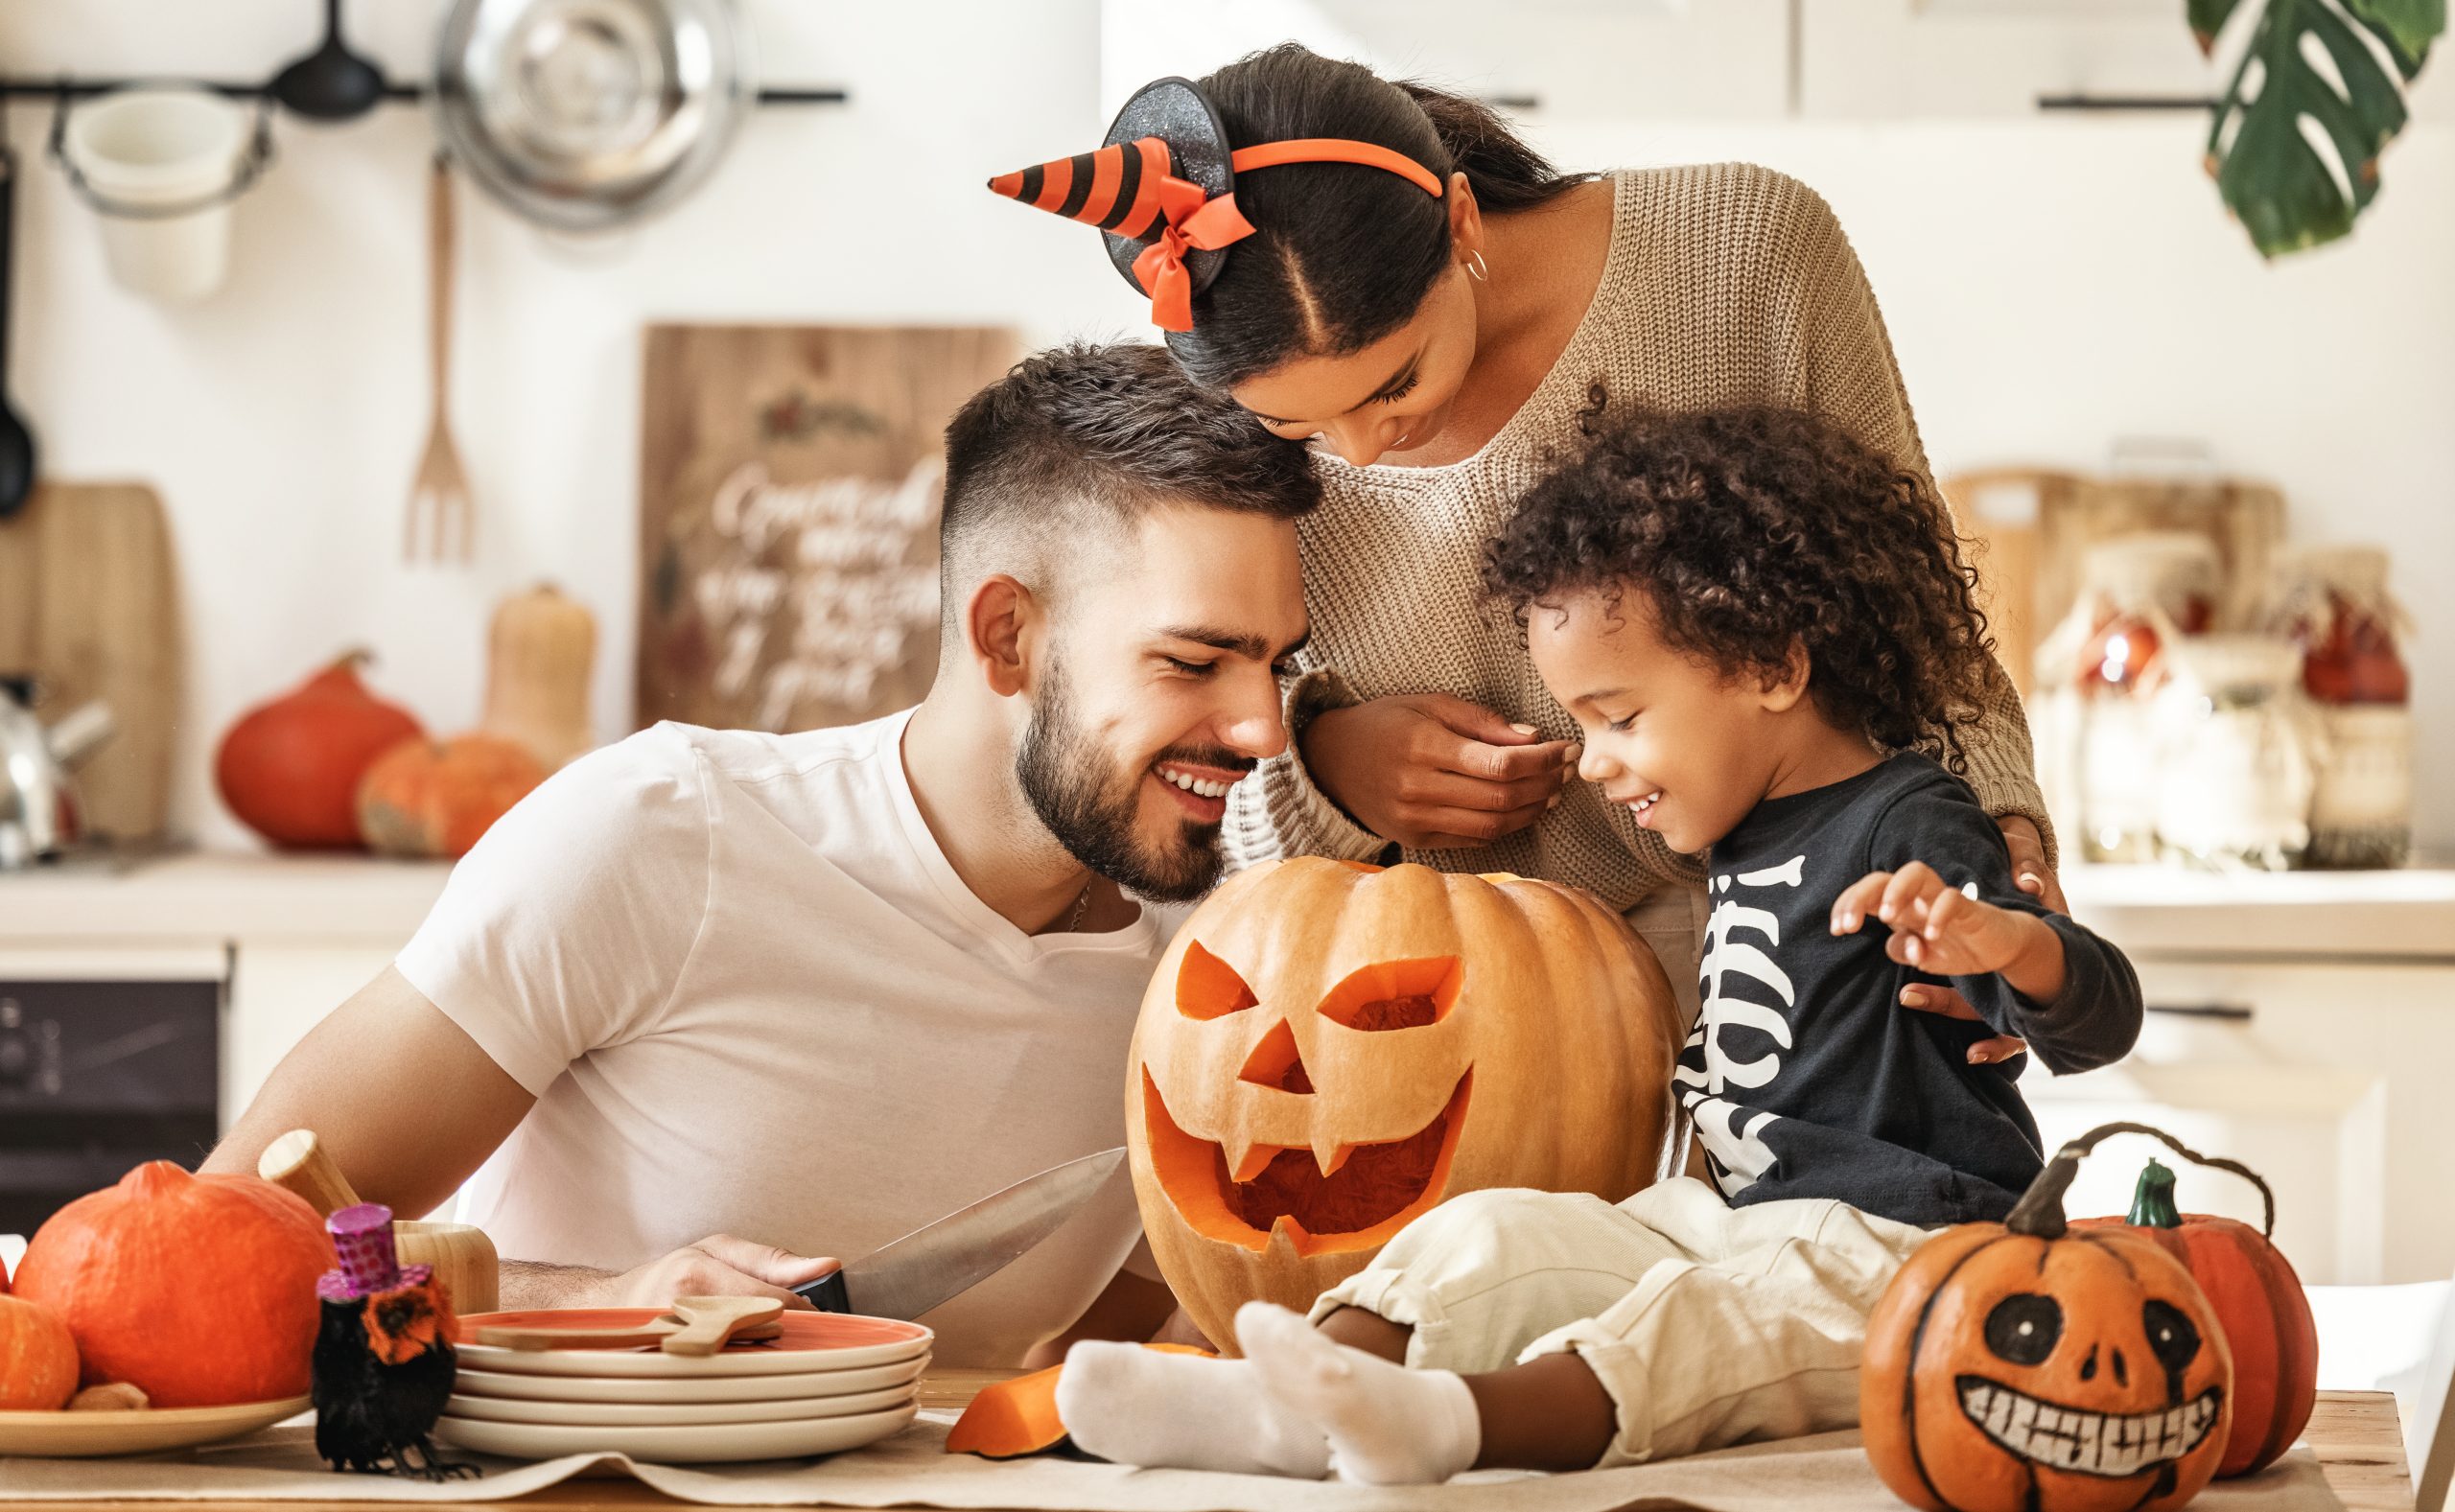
(29, 88)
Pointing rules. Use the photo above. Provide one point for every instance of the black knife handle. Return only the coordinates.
(827, 1293)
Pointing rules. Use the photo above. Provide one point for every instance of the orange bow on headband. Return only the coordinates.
(1128, 188)
(1193, 220)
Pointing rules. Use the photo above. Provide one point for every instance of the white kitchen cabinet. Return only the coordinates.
(1885, 59)
(1583, 61)
(277, 993)
(1578, 59)
(2315, 1089)
(1890, 58)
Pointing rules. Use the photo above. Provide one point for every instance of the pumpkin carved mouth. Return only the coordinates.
(1363, 1196)
(2112, 1445)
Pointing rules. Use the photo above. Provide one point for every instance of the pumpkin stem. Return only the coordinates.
(2152, 1204)
(2039, 1213)
(154, 1178)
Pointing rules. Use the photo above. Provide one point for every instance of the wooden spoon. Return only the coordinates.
(697, 1325)
(715, 1321)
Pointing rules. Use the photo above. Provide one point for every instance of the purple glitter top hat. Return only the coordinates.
(363, 1237)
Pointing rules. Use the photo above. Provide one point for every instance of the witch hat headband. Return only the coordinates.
(1163, 190)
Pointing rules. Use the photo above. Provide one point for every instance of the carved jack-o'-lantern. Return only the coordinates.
(2028, 1366)
(1328, 1050)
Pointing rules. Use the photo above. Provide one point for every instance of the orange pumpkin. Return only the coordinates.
(290, 768)
(2028, 1366)
(197, 1290)
(2258, 1300)
(429, 799)
(1327, 1050)
(37, 1358)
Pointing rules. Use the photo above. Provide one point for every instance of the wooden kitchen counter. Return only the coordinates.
(2360, 1446)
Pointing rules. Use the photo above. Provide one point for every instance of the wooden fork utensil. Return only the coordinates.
(697, 1325)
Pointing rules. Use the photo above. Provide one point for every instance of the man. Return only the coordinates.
(804, 993)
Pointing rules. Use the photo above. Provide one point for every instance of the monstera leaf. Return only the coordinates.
(2283, 189)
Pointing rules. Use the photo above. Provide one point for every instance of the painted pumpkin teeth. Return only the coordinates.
(2114, 1446)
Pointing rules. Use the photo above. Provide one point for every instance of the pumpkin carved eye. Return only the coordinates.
(1395, 994)
(1209, 987)
(2170, 1334)
(2023, 1328)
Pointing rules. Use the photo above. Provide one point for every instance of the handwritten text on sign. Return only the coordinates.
(843, 589)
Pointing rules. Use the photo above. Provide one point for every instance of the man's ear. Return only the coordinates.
(1002, 623)
(1783, 691)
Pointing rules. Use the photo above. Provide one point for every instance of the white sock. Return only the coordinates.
(1387, 1426)
(1143, 1407)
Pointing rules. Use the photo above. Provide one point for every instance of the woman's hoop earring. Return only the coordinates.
(1477, 268)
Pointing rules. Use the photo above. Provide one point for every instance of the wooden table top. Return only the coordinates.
(2359, 1444)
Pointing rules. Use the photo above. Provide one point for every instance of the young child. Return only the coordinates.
(1766, 635)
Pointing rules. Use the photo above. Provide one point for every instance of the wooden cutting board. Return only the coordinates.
(1997, 511)
(89, 605)
(790, 484)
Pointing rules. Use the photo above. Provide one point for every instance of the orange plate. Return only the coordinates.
(850, 1338)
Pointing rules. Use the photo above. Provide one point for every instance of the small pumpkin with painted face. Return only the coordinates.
(2031, 1366)
(1329, 1050)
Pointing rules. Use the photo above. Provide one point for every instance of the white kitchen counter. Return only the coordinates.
(220, 897)
(2165, 910)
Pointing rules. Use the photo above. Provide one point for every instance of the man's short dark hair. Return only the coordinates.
(1086, 436)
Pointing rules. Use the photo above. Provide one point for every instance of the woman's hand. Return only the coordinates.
(2030, 870)
(1433, 772)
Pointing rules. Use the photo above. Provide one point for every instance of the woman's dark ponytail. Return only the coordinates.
(1503, 171)
(1342, 255)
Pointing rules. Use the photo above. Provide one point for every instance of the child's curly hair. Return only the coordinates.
(1751, 529)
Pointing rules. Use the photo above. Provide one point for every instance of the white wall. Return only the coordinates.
(2051, 285)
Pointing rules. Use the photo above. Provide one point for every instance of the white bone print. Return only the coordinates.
(1740, 1155)
(1789, 874)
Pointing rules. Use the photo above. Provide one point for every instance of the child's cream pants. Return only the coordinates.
(1709, 1325)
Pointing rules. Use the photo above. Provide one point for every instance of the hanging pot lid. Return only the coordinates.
(587, 114)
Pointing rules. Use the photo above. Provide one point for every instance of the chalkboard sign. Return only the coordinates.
(789, 486)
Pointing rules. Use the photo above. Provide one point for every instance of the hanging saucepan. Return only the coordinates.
(584, 115)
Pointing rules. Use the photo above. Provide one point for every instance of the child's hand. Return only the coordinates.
(1935, 927)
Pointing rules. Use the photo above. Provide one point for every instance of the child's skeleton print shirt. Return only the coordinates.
(1806, 1077)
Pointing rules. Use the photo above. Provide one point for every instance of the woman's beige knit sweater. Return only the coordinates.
(1725, 284)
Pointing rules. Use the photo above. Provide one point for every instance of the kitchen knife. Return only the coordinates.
(925, 1268)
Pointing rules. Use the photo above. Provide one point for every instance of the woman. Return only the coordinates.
(1433, 348)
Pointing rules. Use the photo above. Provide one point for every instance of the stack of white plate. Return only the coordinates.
(830, 1382)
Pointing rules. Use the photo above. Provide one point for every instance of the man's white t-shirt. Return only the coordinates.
(753, 997)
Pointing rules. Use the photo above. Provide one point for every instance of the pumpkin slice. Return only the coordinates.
(1018, 1417)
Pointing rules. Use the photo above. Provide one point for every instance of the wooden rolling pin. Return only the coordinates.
(298, 1160)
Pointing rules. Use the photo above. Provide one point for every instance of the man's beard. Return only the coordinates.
(1092, 809)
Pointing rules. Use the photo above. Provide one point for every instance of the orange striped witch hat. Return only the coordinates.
(1163, 190)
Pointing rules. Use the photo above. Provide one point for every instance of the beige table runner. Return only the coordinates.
(1826, 1471)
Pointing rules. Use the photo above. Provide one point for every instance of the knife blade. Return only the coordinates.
(910, 1275)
